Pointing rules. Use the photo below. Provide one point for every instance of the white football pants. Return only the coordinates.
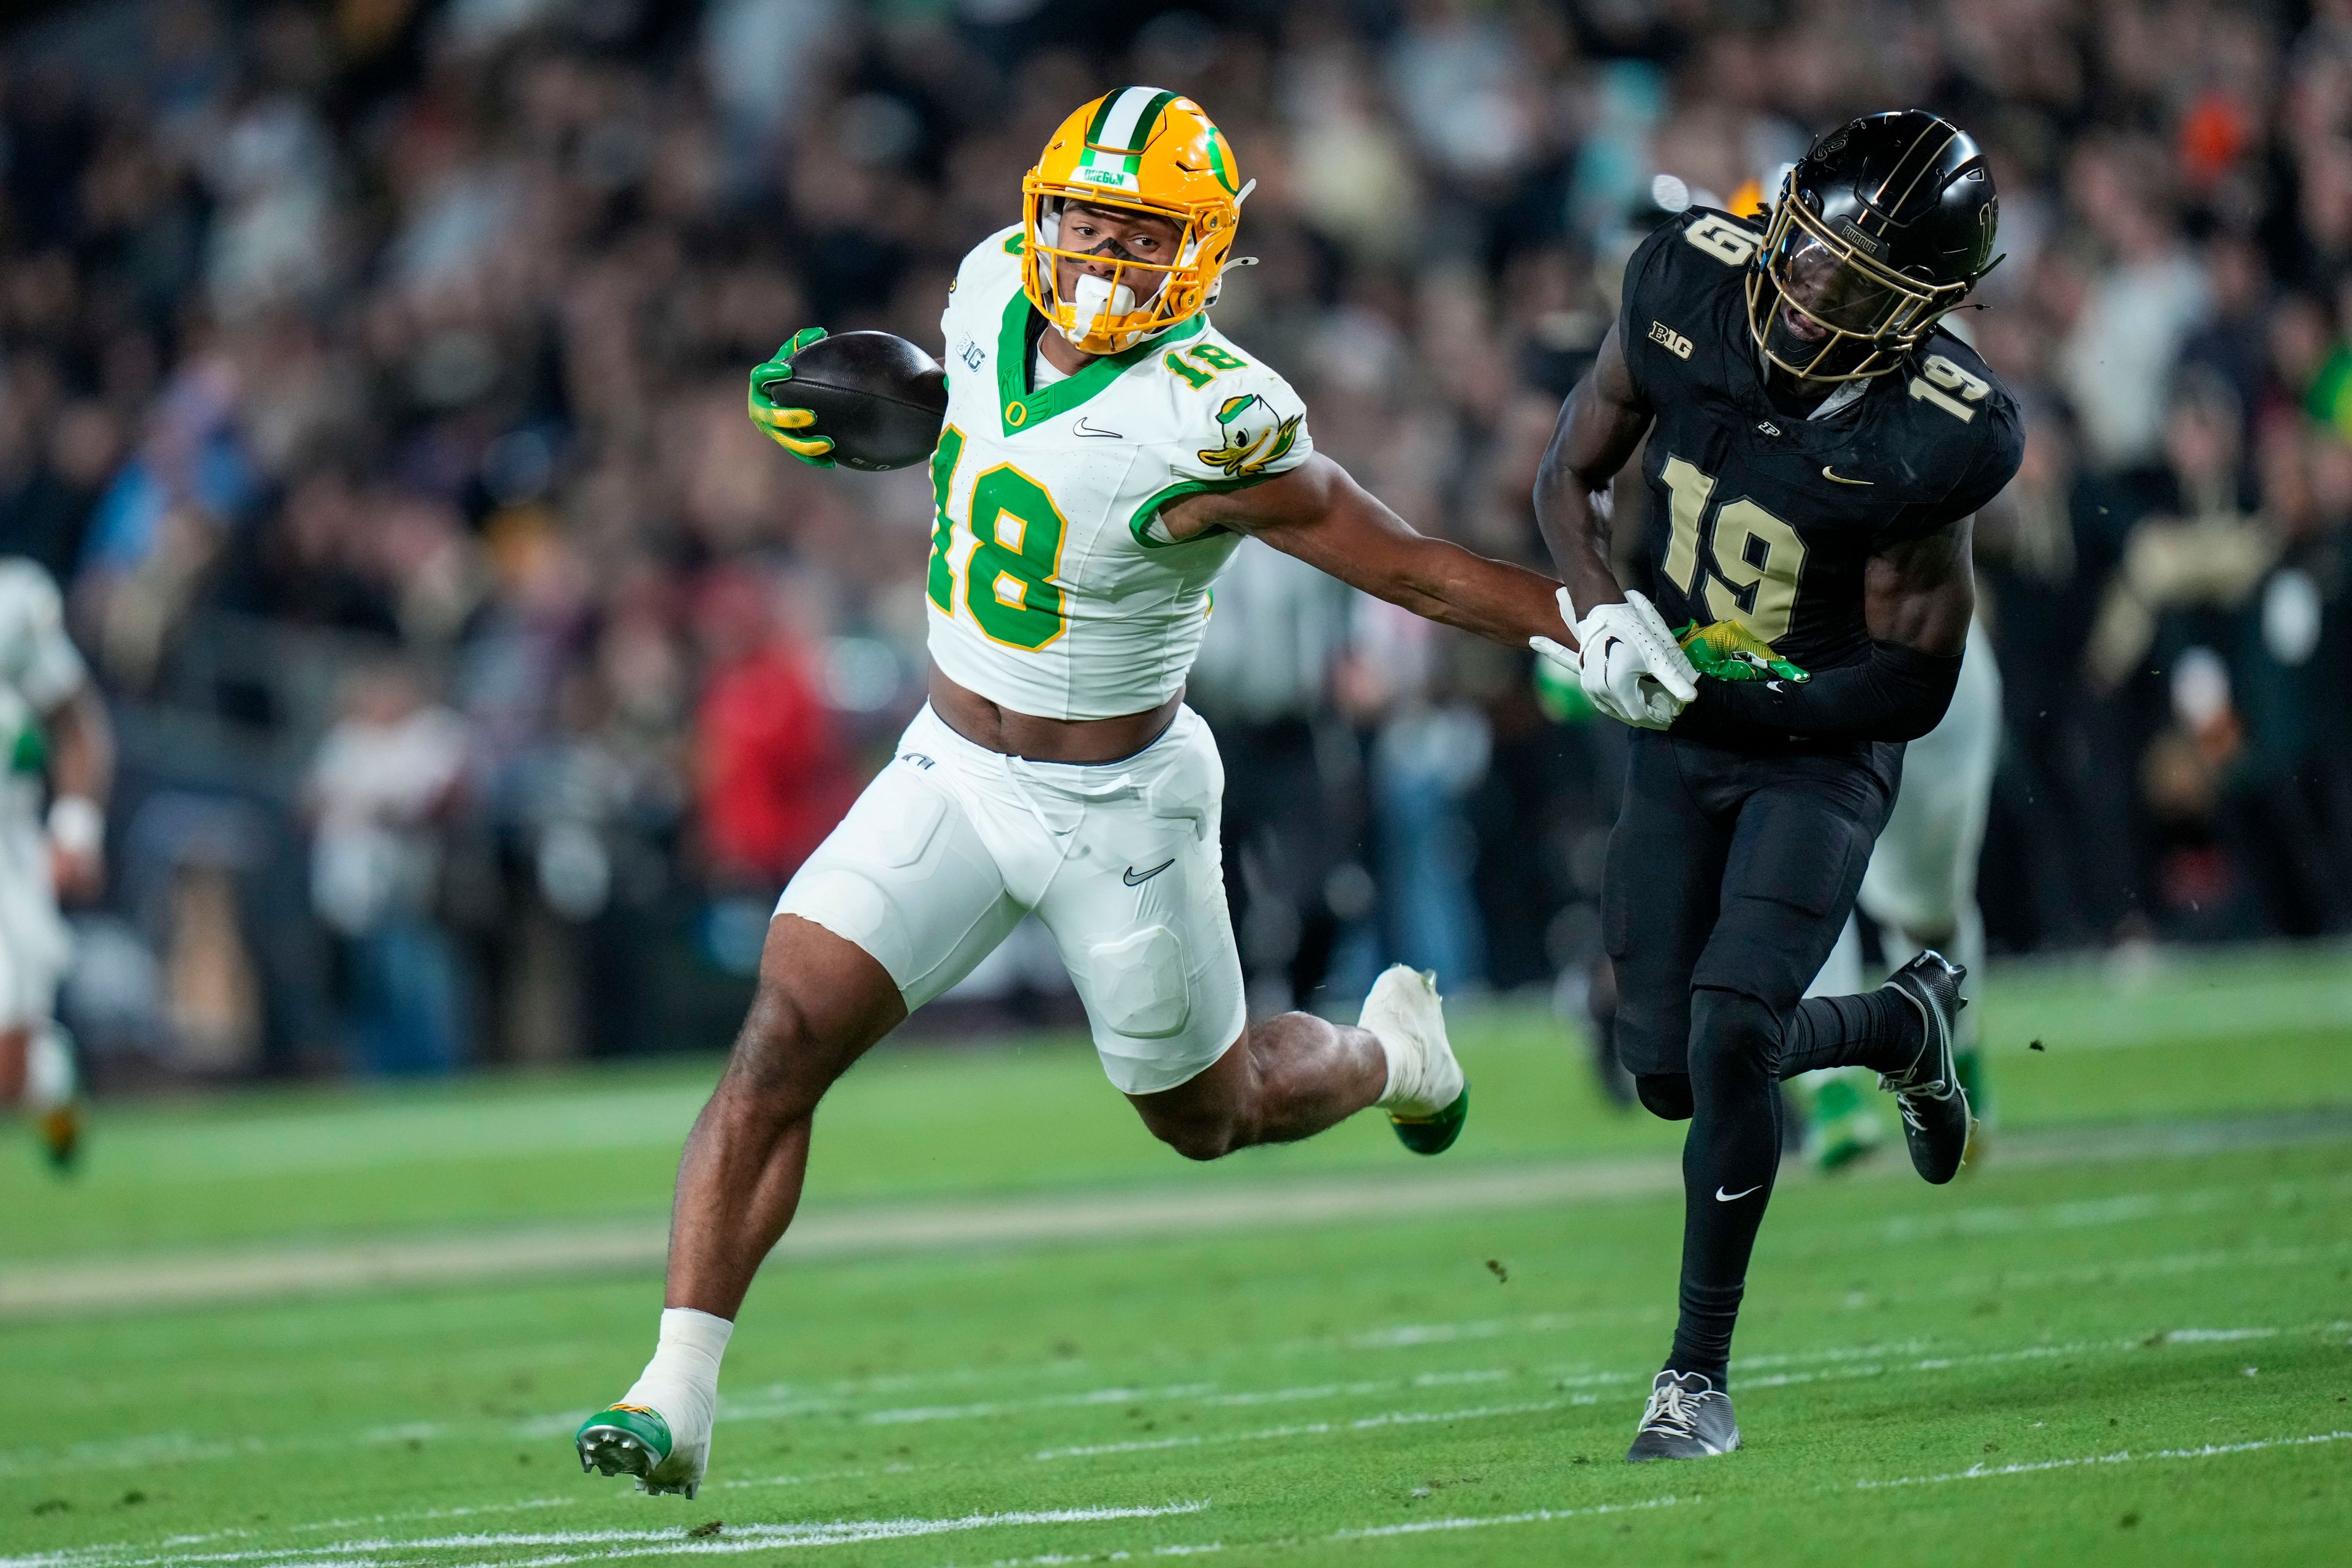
(1922, 880)
(953, 843)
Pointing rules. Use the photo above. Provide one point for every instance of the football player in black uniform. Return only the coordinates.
(1817, 447)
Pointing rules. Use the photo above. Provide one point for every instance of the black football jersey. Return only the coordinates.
(1770, 518)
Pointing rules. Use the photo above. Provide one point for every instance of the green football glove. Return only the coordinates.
(1726, 651)
(778, 421)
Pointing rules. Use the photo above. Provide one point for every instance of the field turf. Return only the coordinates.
(357, 1326)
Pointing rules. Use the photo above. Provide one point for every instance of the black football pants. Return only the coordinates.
(1730, 876)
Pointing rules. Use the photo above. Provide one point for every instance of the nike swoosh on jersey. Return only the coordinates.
(1841, 479)
(1135, 880)
(1723, 1197)
(1086, 429)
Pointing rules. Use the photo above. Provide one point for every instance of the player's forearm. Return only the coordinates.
(1575, 528)
(1897, 693)
(1600, 426)
(1492, 599)
(81, 748)
(1322, 516)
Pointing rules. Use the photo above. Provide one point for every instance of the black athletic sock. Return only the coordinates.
(1730, 1158)
(1881, 1030)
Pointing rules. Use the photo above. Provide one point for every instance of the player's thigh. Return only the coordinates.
(1658, 897)
(1138, 911)
(1798, 852)
(909, 881)
(35, 947)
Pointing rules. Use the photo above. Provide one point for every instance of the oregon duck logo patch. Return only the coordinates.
(1255, 437)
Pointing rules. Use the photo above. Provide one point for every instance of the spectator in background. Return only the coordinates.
(772, 775)
(1294, 802)
(386, 777)
(2139, 306)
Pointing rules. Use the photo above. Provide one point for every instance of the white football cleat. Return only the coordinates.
(1427, 1098)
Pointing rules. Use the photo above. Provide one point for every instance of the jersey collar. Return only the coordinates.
(1845, 394)
(1020, 408)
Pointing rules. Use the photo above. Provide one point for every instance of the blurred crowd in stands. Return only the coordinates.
(371, 376)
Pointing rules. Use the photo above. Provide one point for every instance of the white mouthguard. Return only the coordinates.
(1097, 298)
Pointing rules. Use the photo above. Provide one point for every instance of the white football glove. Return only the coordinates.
(1630, 667)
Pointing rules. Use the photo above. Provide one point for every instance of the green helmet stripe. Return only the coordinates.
(1217, 165)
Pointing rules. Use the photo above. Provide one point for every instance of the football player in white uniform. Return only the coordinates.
(53, 724)
(1105, 450)
(1920, 890)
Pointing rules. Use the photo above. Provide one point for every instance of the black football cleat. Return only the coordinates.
(1688, 1418)
(1934, 1107)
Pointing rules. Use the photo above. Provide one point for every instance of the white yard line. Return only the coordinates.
(40, 1290)
(1553, 1515)
(179, 1447)
(1487, 1521)
(614, 1544)
(1311, 1428)
(144, 1280)
(618, 1544)
(2121, 1456)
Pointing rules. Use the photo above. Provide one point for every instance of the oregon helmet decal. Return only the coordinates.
(1881, 229)
(1147, 151)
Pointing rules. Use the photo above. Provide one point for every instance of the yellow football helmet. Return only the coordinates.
(1148, 149)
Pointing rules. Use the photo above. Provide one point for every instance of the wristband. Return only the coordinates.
(76, 825)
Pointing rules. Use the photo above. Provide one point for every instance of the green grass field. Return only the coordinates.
(356, 1327)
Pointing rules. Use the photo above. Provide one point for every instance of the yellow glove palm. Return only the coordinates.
(776, 420)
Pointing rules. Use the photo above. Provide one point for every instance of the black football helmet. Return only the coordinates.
(1883, 226)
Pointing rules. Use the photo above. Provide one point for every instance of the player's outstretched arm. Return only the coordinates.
(1917, 598)
(1317, 512)
(1599, 424)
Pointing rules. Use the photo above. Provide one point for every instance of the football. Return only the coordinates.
(878, 398)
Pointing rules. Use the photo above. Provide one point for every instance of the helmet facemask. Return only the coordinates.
(1822, 309)
(1106, 314)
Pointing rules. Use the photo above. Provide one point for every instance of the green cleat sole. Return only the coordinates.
(1434, 1134)
(624, 1442)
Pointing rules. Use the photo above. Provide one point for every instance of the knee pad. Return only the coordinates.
(1732, 1031)
(1665, 1095)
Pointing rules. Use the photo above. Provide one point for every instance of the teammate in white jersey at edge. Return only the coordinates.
(1105, 450)
(52, 722)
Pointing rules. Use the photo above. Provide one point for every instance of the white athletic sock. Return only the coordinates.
(682, 1380)
(49, 1079)
(1399, 1082)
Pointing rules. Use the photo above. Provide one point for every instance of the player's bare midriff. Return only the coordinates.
(999, 729)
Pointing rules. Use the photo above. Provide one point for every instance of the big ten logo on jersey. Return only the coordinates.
(971, 353)
(1676, 345)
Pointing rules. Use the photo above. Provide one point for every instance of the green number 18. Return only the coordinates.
(1017, 534)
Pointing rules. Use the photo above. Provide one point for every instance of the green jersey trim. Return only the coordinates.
(1021, 407)
(1175, 492)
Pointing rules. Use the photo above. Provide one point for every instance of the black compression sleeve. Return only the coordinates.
(1896, 694)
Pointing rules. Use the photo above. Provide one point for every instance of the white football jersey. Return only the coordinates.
(39, 669)
(1051, 591)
